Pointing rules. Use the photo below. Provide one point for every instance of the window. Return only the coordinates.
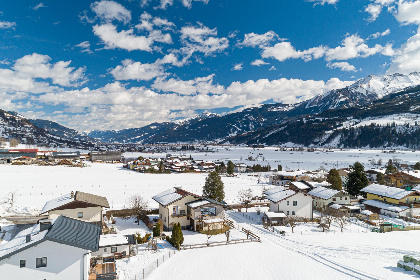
(294, 203)
(341, 198)
(41, 262)
(175, 209)
(182, 212)
(80, 215)
(22, 263)
(287, 213)
(288, 203)
(113, 249)
(334, 199)
(161, 216)
(345, 198)
(293, 213)
(105, 250)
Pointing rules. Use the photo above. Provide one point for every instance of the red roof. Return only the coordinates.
(23, 150)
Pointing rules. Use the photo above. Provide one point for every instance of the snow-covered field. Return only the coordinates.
(307, 253)
(35, 185)
(292, 160)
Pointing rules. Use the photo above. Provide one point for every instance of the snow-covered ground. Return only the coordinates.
(35, 185)
(292, 160)
(308, 253)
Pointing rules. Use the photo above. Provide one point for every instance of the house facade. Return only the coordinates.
(81, 206)
(205, 212)
(58, 251)
(325, 196)
(291, 203)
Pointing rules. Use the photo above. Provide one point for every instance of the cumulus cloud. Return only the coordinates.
(202, 39)
(237, 67)
(39, 66)
(408, 12)
(85, 46)
(284, 50)
(374, 10)
(125, 39)
(407, 57)
(130, 70)
(199, 85)
(259, 62)
(110, 10)
(258, 40)
(40, 5)
(379, 34)
(163, 4)
(323, 2)
(7, 24)
(343, 66)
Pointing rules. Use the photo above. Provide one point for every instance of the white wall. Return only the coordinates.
(163, 212)
(64, 262)
(120, 248)
(90, 214)
(302, 209)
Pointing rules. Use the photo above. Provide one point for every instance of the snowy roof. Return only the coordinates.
(198, 203)
(319, 184)
(322, 192)
(112, 239)
(213, 221)
(300, 185)
(281, 195)
(63, 230)
(79, 196)
(413, 173)
(275, 215)
(171, 195)
(274, 190)
(366, 212)
(386, 206)
(391, 192)
(335, 206)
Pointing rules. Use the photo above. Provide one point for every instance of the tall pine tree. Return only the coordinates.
(357, 179)
(214, 188)
(230, 168)
(334, 179)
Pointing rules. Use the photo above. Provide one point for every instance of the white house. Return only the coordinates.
(81, 206)
(291, 203)
(176, 206)
(240, 168)
(324, 196)
(55, 250)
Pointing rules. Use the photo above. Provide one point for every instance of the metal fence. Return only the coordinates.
(144, 272)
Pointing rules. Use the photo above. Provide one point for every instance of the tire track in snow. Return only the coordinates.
(269, 236)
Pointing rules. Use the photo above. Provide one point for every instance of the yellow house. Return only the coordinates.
(391, 194)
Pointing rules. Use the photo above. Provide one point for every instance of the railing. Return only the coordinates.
(217, 243)
(148, 269)
(178, 215)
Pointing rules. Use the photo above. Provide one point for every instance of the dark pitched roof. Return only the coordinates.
(75, 233)
(80, 199)
(63, 230)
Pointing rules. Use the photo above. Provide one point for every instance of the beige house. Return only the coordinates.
(81, 206)
(190, 210)
(324, 196)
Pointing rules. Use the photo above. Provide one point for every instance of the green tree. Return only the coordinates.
(279, 168)
(156, 230)
(380, 178)
(390, 168)
(177, 237)
(230, 168)
(357, 179)
(161, 167)
(334, 179)
(417, 166)
(214, 188)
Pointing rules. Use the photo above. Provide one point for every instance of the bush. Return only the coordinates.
(156, 229)
(177, 237)
(141, 240)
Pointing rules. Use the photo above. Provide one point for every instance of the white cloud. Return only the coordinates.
(407, 57)
(202, 39)
(124, 40)
(130, 70)
(110, 10)
(353, 46)
(40, 5)
(343, 66)
(259, 62)
(200, 85)
(284, 50)
(408, 12)
(323, 2)
(163, 4)
(85, 46)
(7, 24)
(374, 10)
(237, 67)
(39, 66)
(379, 34)
(258, 40)
(272, 68)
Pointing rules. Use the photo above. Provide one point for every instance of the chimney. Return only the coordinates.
(28, 238)
(72, 194)
(45, 225)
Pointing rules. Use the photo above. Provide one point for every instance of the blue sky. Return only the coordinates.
(127, 63)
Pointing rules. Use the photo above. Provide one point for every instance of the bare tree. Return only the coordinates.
(245, 197)
(138, 207)
(2, 141)
(291, 221)
(10, 200)
(327, 216)
(14, 142)
(341, 219)
(209, 232)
